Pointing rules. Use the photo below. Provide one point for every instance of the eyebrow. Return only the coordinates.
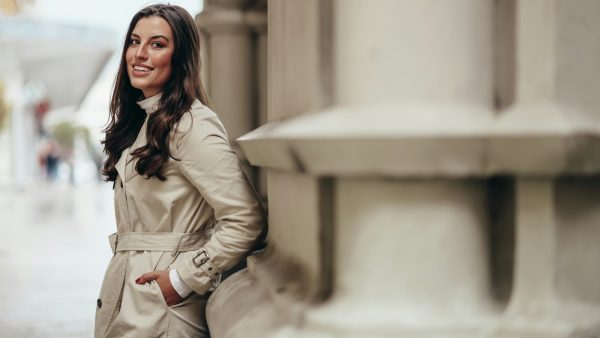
(152, 37)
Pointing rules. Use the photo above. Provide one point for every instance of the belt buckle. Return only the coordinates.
(200, 258)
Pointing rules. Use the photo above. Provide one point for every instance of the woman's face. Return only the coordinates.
(149, 55)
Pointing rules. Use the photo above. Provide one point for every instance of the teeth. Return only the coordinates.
(144, 69)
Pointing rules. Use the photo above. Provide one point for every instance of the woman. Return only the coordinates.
(185, 212)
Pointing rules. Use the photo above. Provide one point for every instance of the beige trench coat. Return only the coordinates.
(202, 220)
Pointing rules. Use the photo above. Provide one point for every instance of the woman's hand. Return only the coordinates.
(164, 282)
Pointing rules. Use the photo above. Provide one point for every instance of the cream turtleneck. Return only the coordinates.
(150, 105)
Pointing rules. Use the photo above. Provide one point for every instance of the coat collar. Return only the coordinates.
(150, 105)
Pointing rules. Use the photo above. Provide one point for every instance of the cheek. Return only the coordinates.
(129, 55)
(164, 61)
(167, 71)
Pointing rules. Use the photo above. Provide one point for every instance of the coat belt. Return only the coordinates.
(156, 241)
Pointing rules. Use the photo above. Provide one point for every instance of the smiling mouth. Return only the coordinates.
(142, 68)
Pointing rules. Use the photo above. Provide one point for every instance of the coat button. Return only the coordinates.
(99, 303)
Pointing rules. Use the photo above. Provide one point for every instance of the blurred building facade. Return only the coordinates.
(431, 166)
(16, 7)
(45, 68)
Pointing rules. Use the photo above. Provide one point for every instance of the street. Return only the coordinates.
(53, 253)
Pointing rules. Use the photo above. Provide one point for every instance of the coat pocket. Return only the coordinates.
(157, 294)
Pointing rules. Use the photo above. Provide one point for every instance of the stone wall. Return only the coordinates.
(432, 170)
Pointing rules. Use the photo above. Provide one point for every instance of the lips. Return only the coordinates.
(140, 70)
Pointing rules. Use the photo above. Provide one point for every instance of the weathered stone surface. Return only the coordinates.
(432, 172)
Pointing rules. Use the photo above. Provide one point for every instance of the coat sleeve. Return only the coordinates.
(204, 156)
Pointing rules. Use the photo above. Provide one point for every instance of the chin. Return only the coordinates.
(137, 85)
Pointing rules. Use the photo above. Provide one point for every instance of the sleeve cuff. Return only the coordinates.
(178, 284)
(195, 278)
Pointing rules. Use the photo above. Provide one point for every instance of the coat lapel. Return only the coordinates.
(120, 166)
(129, 164)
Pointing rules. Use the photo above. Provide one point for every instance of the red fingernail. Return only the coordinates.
(138, 280)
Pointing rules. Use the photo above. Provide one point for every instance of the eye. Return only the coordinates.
(157, 44)
(134, 41)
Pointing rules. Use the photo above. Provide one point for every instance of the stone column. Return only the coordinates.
(257, 19)
(548, 138)
(432, 172)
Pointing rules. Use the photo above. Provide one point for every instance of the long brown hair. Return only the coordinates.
(178, 94)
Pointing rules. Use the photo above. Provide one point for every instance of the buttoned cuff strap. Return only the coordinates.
(204, 263)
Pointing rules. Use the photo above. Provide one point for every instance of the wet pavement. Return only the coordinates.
(53, 253)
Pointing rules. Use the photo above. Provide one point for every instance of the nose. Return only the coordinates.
(141, 53)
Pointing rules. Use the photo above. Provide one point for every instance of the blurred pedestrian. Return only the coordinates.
(52, 159)
(185, 211)
(49, 156)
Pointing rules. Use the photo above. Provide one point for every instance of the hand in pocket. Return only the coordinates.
(164, 283)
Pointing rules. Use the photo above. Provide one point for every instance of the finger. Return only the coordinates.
(147, 277)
